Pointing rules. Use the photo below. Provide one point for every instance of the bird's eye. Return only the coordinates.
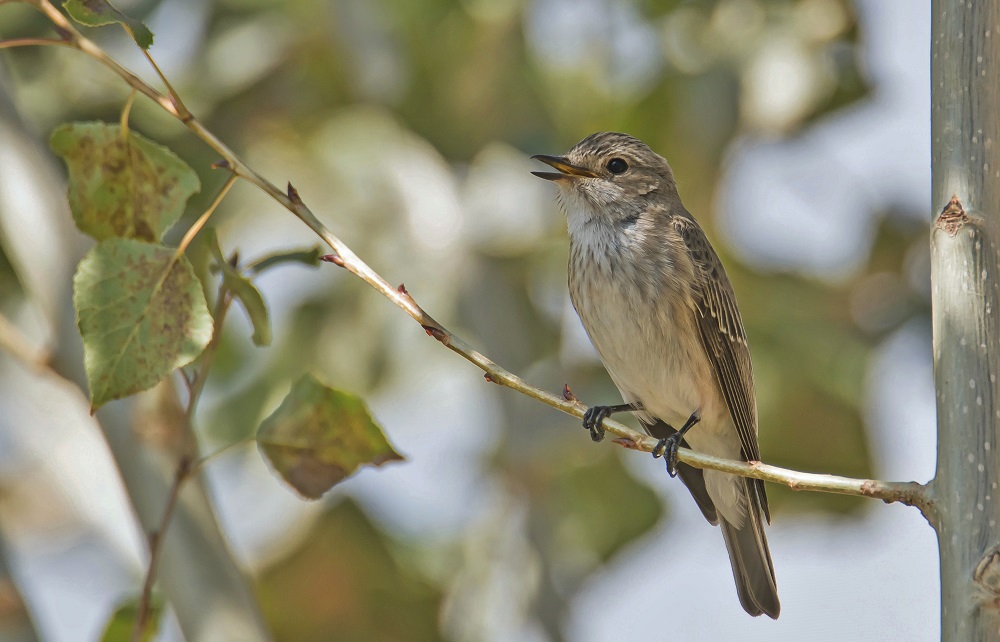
(617, 166)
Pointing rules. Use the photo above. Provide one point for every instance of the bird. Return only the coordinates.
(658, 306)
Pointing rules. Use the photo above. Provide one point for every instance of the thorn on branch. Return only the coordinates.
(437, 333)
(333, 258)
(293, 195)
(568, 395)
(402, 290)
(222, 164)
(952, 217)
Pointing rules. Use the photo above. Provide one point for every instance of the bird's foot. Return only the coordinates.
(667, 448)
(593, 418)
(595, 415)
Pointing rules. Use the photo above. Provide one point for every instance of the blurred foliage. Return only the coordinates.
(122, 622)
(344, 583)
(406, 126)
(578, 518)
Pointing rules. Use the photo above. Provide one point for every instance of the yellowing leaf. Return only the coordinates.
(319, 436)
(95, 13)
(141, 314)
(122, 185)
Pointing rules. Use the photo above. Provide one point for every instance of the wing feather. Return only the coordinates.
(724, 339)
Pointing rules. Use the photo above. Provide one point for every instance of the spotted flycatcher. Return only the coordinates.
(659, 308)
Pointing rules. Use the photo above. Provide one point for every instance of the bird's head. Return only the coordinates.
(609, 177)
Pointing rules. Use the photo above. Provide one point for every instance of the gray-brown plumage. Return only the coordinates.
(658, 306)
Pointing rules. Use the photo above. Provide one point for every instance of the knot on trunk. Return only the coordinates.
(952, 217)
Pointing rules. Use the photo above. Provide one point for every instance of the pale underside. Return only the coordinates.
(648, 338)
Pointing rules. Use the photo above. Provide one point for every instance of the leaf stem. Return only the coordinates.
(200, 223)
(126, 110)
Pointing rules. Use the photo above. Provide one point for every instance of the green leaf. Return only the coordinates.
(122, 621)
(95, 13)
(243, 289)
(308, 257)
(253, 303)
(121, 184)
(141, 312)
(319, 436)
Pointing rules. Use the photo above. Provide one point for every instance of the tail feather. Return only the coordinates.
(751, 561)
(747, 545)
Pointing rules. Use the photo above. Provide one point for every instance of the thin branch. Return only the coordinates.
(12, 43)
(74, 39)
(204, 459)
(222, 304)
(156, 546)
(187, 466)
(182, 110)
(906, 492)
(909, 493)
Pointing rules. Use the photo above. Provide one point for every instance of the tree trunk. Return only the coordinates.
(965, 149)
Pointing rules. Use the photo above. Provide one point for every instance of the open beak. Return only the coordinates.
(566, 170)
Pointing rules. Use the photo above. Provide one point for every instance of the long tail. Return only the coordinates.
(747, 546)
(751, 560)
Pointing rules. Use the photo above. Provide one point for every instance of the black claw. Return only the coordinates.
(593, 418)
(667, 448)
(595, 415)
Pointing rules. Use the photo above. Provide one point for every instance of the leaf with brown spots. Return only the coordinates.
(319, 436)
(141, 312)
(95, 13)
(121, 184)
